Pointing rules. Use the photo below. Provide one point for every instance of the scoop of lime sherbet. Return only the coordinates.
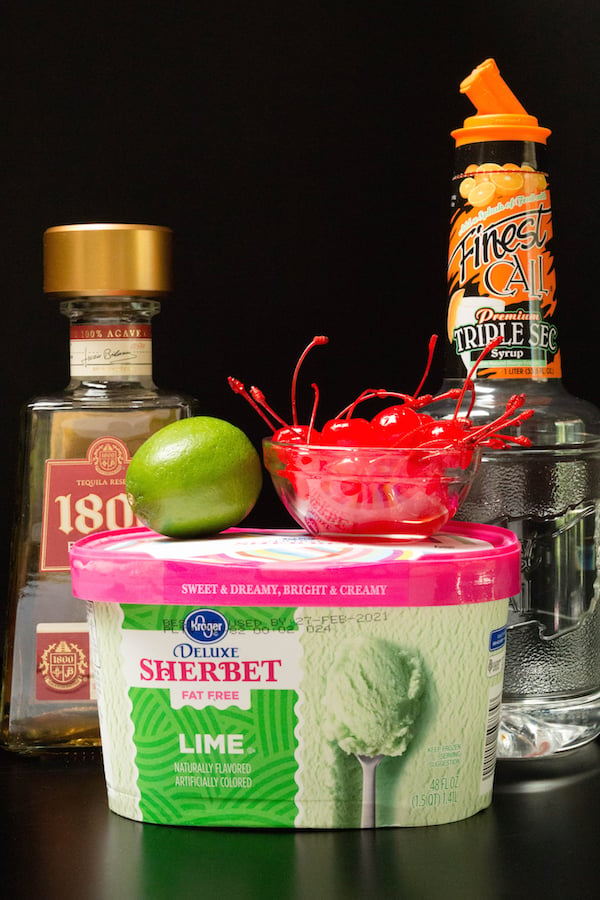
(372, 697)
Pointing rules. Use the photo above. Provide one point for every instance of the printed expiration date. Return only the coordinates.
(325, 623)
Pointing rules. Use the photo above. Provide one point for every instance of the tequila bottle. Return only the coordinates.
(74, 449)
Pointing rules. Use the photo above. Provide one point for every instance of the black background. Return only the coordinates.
(301, 153)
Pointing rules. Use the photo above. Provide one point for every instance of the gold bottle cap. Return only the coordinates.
(107, 260)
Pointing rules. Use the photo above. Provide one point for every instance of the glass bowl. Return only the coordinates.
(402, 493)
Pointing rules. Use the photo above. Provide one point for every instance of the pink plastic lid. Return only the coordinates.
(464, 563)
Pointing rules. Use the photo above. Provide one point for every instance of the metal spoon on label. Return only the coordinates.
(369, 768)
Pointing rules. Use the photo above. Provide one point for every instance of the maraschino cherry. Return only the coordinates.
(402, 425)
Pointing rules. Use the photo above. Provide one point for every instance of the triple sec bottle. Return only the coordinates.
(502, 282)
(74, 451)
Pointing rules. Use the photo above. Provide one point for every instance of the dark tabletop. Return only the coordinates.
(539, 839)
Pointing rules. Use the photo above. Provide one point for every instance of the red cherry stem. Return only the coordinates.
(499, 441)
(259, 397)
(370, 394)
(313, 414)
(318, 340)
(491, 430)
(426, 399)
(238, 388)
(506, 420)
(468, 385)
(432, 343)
(413, 401)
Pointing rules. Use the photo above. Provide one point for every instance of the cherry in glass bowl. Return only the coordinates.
(401, 493)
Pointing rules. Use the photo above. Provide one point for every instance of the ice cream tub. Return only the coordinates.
(273, 679)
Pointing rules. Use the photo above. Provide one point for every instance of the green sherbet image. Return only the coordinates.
(372, 697)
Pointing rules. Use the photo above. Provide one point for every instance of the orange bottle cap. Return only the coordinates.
(500, 116)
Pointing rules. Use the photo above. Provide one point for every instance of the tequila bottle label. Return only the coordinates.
(109, 350)
(63, 662)
(82, 496)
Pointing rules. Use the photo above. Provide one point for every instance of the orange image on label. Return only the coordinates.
(501, 272)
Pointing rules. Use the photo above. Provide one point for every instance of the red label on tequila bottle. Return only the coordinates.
(82, 496)
(63, 662)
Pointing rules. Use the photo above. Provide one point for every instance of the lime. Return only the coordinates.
(194, 477)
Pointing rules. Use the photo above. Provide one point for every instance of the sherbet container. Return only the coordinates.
(275, 679)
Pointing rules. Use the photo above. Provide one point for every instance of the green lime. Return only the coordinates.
(194, 477)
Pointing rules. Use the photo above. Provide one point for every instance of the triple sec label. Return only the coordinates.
(501, 275)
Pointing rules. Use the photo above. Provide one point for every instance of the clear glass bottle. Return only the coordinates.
(74, 450)
(501, 277)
